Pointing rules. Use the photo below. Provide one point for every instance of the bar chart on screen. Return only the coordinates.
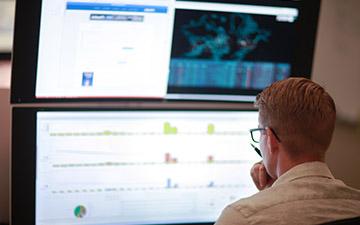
(117, 167)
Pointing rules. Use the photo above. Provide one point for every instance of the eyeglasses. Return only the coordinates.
(256, 134)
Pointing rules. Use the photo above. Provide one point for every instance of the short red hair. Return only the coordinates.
(301, 112)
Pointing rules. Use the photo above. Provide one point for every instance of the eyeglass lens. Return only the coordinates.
(256, 135)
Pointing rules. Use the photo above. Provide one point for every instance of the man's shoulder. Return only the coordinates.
(297, 192)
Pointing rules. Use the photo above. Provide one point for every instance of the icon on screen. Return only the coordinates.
(87, 79)
(80, 211)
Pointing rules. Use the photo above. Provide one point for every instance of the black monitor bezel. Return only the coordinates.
(23, 157)
(6, 56)
(25, 51)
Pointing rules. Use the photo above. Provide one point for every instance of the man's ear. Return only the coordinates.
(271, 141)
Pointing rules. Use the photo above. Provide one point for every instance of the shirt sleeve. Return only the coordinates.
(231, 216)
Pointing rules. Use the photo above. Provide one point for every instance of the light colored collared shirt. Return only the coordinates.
(306, 194)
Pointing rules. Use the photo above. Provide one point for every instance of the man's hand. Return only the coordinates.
(260, 177)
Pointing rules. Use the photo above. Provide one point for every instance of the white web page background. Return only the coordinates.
(141, 167)
(98, 49)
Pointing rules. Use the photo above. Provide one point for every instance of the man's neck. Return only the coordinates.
(285, 163)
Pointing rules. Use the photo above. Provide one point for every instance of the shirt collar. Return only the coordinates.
(308, 169)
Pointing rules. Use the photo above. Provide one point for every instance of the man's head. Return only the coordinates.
(300, 113)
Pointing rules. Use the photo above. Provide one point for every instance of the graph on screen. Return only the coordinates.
(147, 167)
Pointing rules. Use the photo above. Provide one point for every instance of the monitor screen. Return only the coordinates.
(135, 167)
(156, 49)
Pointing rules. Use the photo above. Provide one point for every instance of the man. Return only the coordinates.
(296, 122)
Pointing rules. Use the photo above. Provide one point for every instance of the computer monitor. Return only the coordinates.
(72, 166)
(154, 49)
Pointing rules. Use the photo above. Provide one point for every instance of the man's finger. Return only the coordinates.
(256, 177)
(262, 176)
